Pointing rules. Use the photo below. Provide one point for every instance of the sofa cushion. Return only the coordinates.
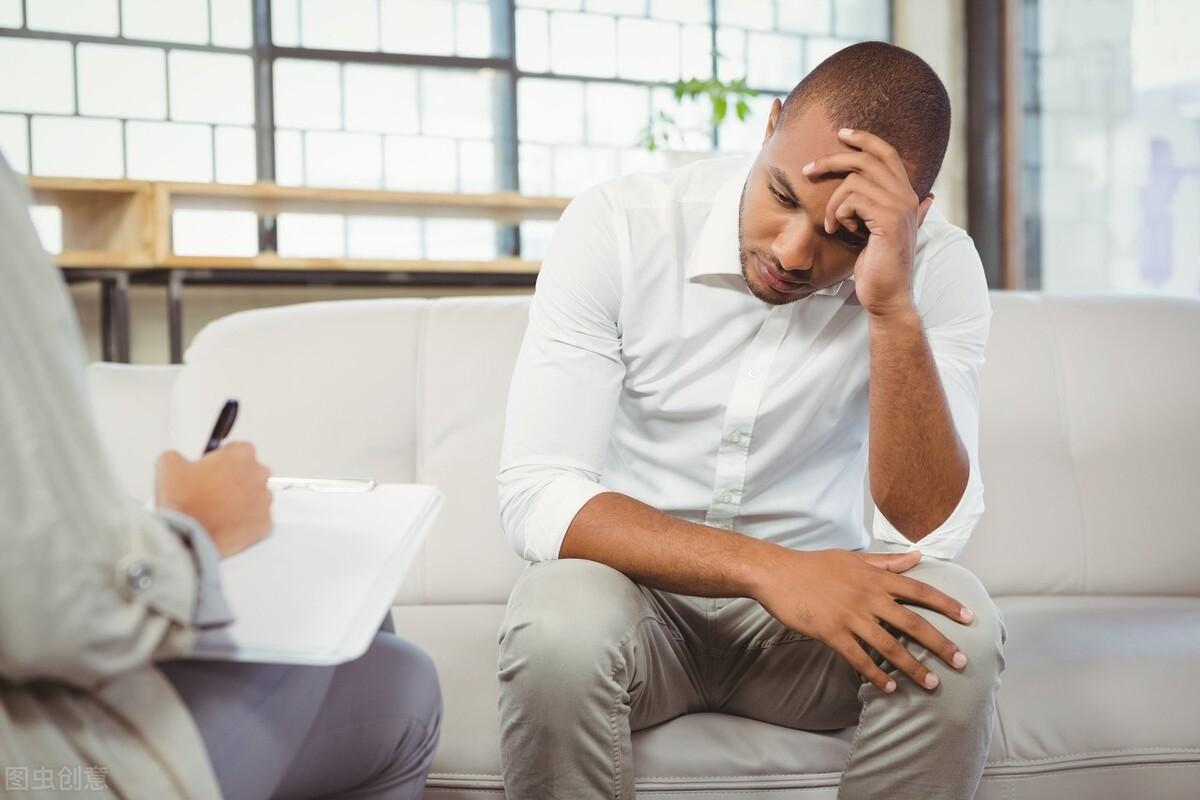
(1098, 686)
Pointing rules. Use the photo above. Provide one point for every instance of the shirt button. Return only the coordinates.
(139, 576)
(725, 498)
(735, 438)
(753, 373)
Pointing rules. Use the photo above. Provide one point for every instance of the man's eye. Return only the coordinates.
(851, 240)
(783, 201)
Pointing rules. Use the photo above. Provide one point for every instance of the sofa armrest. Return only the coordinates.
(132, 407)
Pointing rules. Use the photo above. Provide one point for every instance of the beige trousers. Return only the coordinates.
(587, 656)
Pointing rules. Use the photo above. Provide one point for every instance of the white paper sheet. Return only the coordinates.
(317, 588)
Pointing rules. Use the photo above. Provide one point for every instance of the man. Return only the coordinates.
(97, 593)
(686, 443)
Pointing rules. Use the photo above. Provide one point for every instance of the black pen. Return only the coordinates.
(224, 425)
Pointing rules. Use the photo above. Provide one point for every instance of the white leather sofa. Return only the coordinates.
(1090, 453)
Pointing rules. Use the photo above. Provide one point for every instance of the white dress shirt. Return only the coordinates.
(648, 368)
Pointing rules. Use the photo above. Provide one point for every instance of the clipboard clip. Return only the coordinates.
(322, 484)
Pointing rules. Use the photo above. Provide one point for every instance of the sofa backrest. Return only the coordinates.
(1090, 446)
(405, 390)
(1090, 436)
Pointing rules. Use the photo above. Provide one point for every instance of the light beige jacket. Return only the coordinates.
(93, 588)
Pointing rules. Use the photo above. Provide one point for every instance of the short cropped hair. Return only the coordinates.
(889, 91)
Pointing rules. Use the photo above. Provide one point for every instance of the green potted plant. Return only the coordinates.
(665, 132)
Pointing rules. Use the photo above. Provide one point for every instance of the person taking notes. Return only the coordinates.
(101, 601)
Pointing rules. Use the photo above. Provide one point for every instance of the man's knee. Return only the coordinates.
(981, 640)
(568, 618)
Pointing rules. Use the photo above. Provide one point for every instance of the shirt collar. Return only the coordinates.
(716, 248)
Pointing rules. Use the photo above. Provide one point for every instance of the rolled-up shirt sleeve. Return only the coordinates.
(566, 382)
(211, 610)
(953, 302)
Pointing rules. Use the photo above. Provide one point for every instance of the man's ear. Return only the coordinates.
(772, 119)
(923, 208)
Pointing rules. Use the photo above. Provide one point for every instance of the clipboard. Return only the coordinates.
(315, 590)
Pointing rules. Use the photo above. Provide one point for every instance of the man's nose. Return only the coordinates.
(792, 248)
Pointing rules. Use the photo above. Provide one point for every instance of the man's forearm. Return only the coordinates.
(919, 468)
(658, 550)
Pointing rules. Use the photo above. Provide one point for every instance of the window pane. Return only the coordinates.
(380, 98)
(36, 76)
(176, 21)
(95, 17)
(731, 50)
(285, 23)
(805, 16)
(47, 221)
(14, 141)
(168, 151)
(383, 237)
(577, 168)
(536, 170)
(550, 110)
(473, 26)
(583, 44)
(75, 146)
(308, 94)
(681, 10)
(456, 103)
(352, 160)
(567, 5)
(476, 166)
(231, 23)
(861, 19)
(648, 50)
(205, 232)
(636, 8)
(289, 158)
(118, 81)
(471, 239)
(311, 235)
(235, 155)
(212, 87)
(417, 26)
(533, 40)
(697, 52)
(421, 164)
(746, 13)
(774, 61)
(535, 236)
(617, 114)
(339, 24)
(10, 14)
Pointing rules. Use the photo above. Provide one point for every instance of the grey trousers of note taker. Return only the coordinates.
(364, 729)
(587, 656)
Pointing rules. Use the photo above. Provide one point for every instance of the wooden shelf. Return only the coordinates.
(272, 261)
(126, 224)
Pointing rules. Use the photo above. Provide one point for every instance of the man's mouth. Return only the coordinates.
(778, 282)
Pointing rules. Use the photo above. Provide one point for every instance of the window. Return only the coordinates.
(422, 95)
(1112, 171)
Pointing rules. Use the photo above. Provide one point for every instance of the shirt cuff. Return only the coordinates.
(211, 609)
(557, 505)
(948, 539)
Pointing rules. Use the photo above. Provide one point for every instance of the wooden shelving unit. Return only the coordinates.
(118, 231)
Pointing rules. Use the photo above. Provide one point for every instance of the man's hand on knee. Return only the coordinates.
(845, 599)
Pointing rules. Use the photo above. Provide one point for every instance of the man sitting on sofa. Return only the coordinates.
(687, 436)
(101, 599)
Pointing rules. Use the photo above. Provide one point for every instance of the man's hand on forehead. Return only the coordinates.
(874, 199)
(881, 177)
